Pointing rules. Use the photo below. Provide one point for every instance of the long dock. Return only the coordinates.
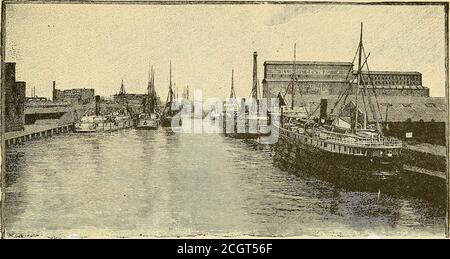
(425, 159)
(32, 132)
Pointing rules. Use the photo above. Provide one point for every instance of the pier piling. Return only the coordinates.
(35, 133)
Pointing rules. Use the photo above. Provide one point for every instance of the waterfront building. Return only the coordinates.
(331, 78)
(74, 96)
(397, 83)
(313, 77)
(14, 100)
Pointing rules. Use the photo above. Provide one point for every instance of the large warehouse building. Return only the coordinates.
(330, 78)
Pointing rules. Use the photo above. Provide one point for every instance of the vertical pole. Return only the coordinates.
(447, 229)
(232, 93)
(170, 89)
(294, 77)
(359, 79)
(170, 83)
(2, 121)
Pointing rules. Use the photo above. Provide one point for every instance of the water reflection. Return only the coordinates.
(156, 183)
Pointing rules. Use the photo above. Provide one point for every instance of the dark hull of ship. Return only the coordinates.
(245, 135)
(166, 121)
(145, 127)
(146, 124)
(242, 135)
(346, 168)
(232, 131)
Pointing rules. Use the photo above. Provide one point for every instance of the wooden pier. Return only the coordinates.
(33, 132)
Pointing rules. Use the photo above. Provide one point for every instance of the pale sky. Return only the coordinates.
(96, 46)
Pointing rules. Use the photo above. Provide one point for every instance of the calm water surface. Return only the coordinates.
(152, 183)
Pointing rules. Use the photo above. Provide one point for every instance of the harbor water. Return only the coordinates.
(139, 183)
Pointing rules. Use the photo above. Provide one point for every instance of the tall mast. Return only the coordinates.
(150, 71)
(153, 91)
(150, 90)
(294, 77)
(170, 85)
(232, 93)
(358, 79)
(122, 89)
(122, 93)
(187, 92)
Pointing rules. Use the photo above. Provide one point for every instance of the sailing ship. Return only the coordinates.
(342, 141)
(149, 118)
(220, 115)
(93, 122)
(171, 108)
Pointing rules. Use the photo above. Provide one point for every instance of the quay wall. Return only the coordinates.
(423, 175)
(36, 133)
(425, 160)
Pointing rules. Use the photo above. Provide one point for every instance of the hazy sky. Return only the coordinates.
(96, 46)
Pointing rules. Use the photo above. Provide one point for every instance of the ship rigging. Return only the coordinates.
(343, 139)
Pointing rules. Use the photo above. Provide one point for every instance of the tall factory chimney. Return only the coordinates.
(97, 105)
(54, 91)
(255, 76)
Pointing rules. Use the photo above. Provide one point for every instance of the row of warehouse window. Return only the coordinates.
(288, 72)
(375, 79)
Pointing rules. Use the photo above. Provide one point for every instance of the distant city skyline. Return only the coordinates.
(98, 46)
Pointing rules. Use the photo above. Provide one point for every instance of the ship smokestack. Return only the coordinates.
(255, 76)
(323, 110)
(97, 105)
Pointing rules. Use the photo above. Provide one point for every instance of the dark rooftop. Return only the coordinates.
(326, 63)
(392, 72)
(400, 108)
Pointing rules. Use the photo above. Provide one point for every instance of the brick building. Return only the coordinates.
(394, 83)
(74, 96)
(14, 100)
(135, 99)
(330, 78)
(313, 77)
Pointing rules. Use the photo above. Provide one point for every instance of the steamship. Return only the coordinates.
(103, 123)
(97, 122)
(338, 141)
